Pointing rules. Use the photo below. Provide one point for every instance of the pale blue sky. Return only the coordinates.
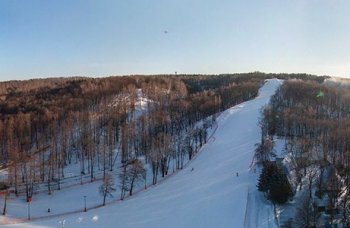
(44, 38)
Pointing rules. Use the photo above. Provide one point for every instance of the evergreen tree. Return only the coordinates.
(274, 183)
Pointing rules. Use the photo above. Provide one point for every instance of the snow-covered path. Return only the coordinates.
(209, 196)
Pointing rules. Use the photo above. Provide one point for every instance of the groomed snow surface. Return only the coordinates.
(210, 195)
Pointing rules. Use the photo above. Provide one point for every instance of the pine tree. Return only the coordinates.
(274, 183)
(262, 184)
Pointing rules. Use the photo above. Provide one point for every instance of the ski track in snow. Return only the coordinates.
(209, 196)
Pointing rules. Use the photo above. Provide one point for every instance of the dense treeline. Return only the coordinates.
(314, 119)
(198, 83)
(101, 125)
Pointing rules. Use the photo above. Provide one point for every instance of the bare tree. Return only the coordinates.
(136, 172)
(307, 214)
(264, 150)
(107, 187)
(132, 171)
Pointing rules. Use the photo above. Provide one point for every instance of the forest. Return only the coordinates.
(313, 119)
(125, 123)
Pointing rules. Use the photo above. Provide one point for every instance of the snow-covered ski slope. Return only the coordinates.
(210, 195)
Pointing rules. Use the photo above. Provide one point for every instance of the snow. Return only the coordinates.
(209, 196)
(141, 104)
(3, 174)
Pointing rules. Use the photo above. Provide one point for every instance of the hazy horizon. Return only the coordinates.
(41, 39)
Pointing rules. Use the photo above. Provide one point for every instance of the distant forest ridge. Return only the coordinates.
(36, 95)
(30, 84)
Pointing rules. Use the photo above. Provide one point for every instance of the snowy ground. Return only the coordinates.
(209, 196)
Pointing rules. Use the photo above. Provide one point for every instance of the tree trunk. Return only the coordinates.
(5, 204)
